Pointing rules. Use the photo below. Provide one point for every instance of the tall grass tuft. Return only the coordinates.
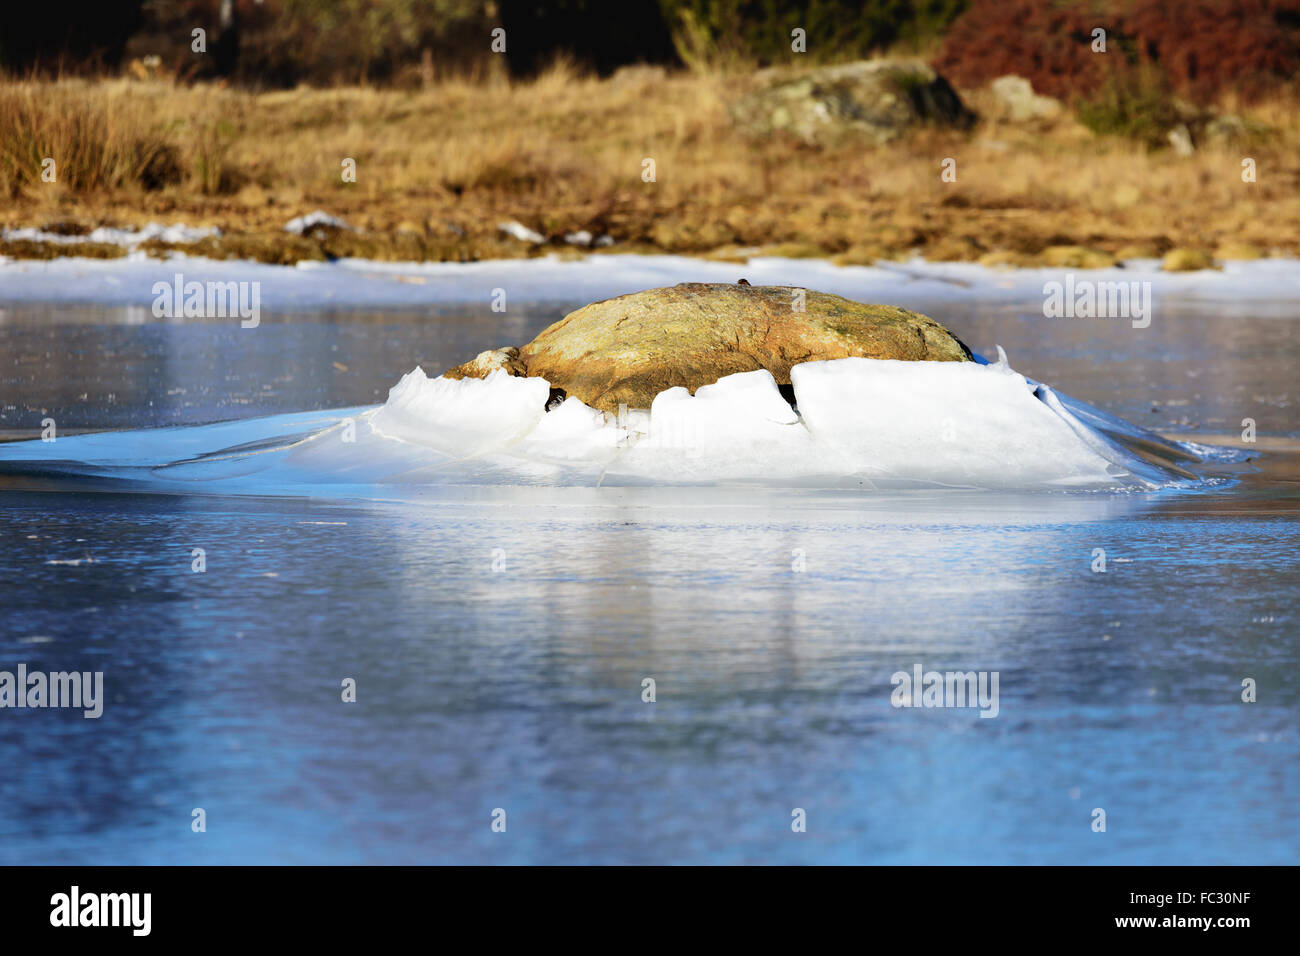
(213, 172)
(1135, 104)
(97, 140)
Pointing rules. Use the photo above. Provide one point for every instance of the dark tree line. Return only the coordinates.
(283, 42)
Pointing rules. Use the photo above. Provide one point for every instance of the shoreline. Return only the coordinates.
(462, 172)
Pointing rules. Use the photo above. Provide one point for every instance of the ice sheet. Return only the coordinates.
(355, 283)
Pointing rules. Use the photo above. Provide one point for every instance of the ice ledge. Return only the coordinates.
(1271, 284)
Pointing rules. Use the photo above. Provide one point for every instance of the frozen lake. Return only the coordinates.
(499, 636)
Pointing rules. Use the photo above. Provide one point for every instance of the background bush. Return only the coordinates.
(286, 42)
(1200, 48)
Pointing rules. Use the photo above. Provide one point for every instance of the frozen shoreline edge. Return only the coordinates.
(1272, 285)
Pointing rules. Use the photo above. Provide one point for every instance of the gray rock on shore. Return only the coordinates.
(1019, 102)
(881, 99)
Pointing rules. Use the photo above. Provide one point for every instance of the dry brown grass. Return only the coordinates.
(438, 169)
(97, 141)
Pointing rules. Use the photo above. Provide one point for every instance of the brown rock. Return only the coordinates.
(485, 363)
(1078, 257)
(1187, 260)
(629, 349)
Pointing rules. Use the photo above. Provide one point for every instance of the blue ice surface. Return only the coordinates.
(520, 687)
(500, 638)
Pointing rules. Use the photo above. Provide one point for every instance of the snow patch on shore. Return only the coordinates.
(303, 224)
(130, 238)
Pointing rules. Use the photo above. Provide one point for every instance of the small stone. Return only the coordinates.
(1138, 250)
(1186, 260)
(521, 232)
(1019, 102)
(1078, 257)
(485, 363)
(1235, 250)
(1180, 138)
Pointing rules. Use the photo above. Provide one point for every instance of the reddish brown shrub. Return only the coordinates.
(1207, 47)
(1048, 44)
(1203, 48)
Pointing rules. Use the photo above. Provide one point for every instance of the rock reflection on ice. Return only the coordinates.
(853, 423)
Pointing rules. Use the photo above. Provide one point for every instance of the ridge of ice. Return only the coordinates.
(880, 423)
(856, 423)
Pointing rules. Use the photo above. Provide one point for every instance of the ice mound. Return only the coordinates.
(861, 422)
(851, 423)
